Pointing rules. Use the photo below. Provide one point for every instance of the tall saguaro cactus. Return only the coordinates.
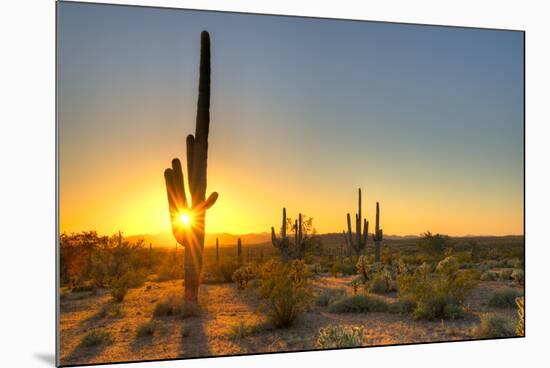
(299, 243)
(378, 235)
(357, 243)
(282, 243)
(188, 217)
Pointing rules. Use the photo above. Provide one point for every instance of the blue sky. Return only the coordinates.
(428, 119)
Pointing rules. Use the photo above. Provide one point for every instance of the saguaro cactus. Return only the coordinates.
(378, 235)
(239, 251)
(217, 251)
(188, 217)
(299, 244)
(282, 243)
(357, 243)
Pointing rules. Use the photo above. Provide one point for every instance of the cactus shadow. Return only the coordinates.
(195, 341)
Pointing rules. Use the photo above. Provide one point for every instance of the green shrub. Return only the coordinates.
(146, 329)
(506, 274)
(96, 337)
(433, 244)
(337, 336)
(518, 276)
(504, 298)
(489, 276)
(438, 306)
(358, 304)
(285, 295)
(440, 295)
(402, 306)
(173, 306)
(329, 296)
(495, 326)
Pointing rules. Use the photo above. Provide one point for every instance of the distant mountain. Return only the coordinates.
(225, 239)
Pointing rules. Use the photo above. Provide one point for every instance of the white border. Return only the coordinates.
(27, 187)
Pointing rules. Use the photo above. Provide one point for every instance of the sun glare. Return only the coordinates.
(185, 219)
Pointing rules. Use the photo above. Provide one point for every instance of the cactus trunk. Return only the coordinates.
(217, 251)
(239, 251)
(282, 243)
(378, 235)
(191, 237)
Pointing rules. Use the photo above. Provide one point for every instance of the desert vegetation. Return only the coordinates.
(124, 300)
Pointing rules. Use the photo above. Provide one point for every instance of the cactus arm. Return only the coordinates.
(283, 226)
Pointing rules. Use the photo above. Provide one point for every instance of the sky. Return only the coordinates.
(426, 120)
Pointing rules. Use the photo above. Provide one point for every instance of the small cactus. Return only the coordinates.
(282, 243)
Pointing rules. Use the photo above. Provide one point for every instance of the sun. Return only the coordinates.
(185, 219)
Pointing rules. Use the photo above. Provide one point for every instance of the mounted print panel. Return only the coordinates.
(234, 183)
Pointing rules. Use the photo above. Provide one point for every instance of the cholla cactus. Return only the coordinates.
(282, 243)
(448, 267)
(363, 267)
(299, 271)
(357, 243)
(242, 276)
(336, 336)
(520, 327)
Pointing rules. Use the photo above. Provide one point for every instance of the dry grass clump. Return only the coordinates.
(495, 325)
(96, 337)
(173, 305)
(146, 329)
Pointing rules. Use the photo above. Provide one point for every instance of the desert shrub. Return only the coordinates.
(358, 304)
(119, 288)
(110, 310)
(96, 337)
(146, 329)
(433, 244)
(84, 288)
(504, 298)
(363, 267)
(402, 306)
(518, 276)
(285, 295)
(243, 329)
(506, 274)
(489, 276)
(439, 295)
(355, 284)
(382, 283)
(225, 270)
(438, 306)
(169, 270)
(337, 336)
(494, 325)
(329, 296)
(242, 276)
(173, 306)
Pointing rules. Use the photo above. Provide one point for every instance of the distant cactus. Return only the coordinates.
(217, 251)
(282, 243)
(357, 243)
(299, 243)
(378, 235)
(239, 251)
(191, 234)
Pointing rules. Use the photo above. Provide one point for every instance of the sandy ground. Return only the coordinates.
(224, 307)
